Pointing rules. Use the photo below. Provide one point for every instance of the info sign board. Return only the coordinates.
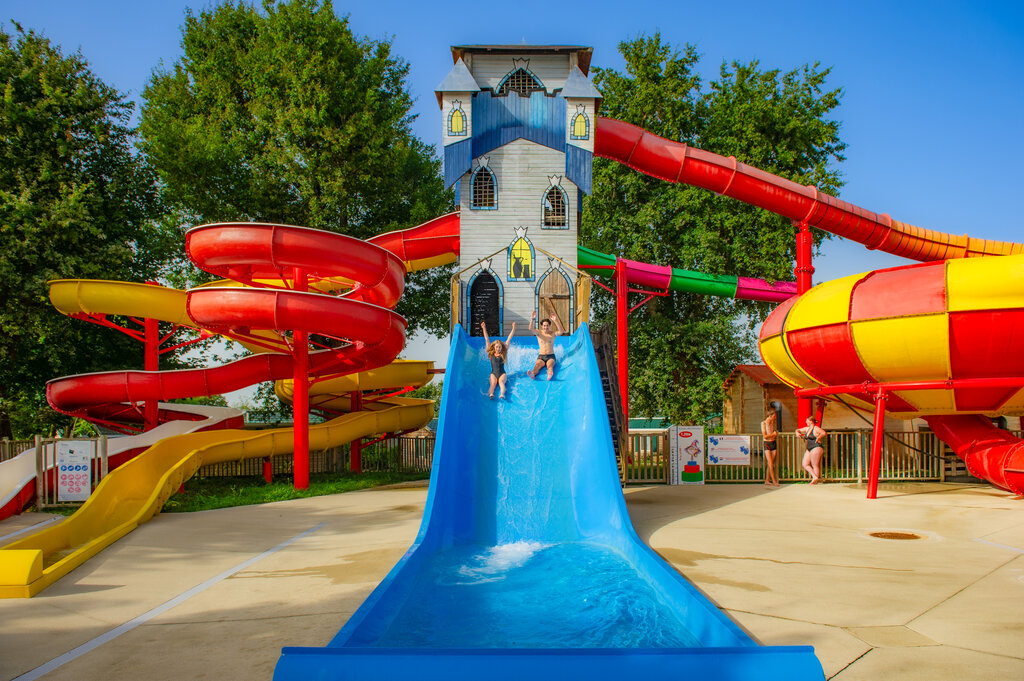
(74, 470)
(729, 450)
(686, 455)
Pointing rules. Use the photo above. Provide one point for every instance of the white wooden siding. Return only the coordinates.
(570, 111)
(466, 99)
(490, 69)
(521, 171)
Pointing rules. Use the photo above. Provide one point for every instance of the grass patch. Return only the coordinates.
(209, 493)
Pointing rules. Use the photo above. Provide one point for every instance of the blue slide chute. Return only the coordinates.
(526, 565)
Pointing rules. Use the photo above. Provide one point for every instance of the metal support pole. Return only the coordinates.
(622, 339)
(819, 411)
(300, 394)
(104, 464)
(152, 363)
(877, 435)
(804, 281)
(40, 471)
(356, 446)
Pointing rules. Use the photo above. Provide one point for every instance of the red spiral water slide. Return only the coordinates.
(989, 452)
(362, 331)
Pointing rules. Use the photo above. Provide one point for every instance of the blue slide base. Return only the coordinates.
(705, 664)
(526, 565)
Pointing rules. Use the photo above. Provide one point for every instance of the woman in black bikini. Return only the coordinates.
(771, 448)
(497, 352)
(813, 437)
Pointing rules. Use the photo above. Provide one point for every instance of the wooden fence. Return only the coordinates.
(905, 456)
(398, 454)
(11, 448)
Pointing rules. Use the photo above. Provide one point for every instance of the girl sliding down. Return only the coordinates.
(497, 352)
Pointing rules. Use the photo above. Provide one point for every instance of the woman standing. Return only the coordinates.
(770, 432)
(814, 437)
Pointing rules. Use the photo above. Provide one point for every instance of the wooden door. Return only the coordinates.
(555, 294)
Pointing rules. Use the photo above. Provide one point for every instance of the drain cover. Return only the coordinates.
(895, 535)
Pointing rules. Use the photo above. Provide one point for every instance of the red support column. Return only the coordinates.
(300, 395)
(877, 435)
(151, 409)
(356, 446)
(804, 281)
(268, 470)
(622, 336)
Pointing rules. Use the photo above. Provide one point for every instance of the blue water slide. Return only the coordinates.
(526, 565)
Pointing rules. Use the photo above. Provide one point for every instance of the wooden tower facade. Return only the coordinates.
(518, 127)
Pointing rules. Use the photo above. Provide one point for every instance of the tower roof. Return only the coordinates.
(459, 79)
(578, 85)
(583, 53)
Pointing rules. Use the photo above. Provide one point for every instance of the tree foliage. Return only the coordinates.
(281, 114)
(75, 201)
(683, 346)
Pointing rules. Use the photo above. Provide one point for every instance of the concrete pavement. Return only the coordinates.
(215, 595)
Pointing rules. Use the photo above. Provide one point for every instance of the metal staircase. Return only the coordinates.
(604, 348)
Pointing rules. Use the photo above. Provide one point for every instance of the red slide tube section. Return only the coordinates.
(990, 453)
(434, 239)
(247, 251)
(677, 162)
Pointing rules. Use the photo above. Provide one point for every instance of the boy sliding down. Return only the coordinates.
(546, 343)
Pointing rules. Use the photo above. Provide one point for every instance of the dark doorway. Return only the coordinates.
(484, 305)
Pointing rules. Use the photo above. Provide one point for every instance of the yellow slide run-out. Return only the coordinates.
(136, 491)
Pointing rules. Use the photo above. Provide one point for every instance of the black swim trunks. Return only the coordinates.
(771, 445)
(545, 358)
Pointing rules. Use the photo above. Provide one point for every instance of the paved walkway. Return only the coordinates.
(215, 595)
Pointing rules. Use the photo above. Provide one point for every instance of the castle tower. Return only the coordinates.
(518, 131)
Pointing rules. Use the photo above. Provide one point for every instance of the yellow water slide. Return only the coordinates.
(135, 492)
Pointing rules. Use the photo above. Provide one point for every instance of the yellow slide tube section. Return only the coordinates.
(135, 492)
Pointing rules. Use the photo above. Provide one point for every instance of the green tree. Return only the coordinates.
(75, 201)
(431, 391)
(281, 114)
(683, 346)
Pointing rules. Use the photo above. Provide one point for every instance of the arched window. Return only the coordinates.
(556, 209)
(485, 191)
(457, 120)
(521, 82)
(580, 127)
(520, 260)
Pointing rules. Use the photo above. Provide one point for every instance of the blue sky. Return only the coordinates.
(933, 105)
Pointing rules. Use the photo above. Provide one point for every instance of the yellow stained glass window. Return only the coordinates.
(457, 122)
(521, 260)
(579, 127)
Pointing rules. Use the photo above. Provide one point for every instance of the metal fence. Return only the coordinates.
(905, 456)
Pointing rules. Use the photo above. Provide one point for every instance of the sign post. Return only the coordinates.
(729, 450)
(74, 470)
(686, 455)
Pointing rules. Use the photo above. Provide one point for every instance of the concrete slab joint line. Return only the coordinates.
(95, 643)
